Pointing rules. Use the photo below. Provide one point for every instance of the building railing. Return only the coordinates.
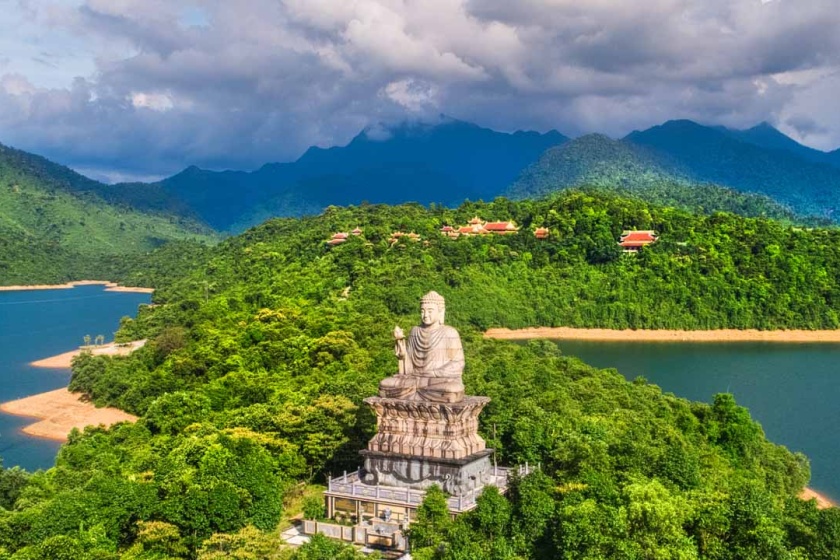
(350, 485)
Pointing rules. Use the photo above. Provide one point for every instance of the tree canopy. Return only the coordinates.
(262, 349)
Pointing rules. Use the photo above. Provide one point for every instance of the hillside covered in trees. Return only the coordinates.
(262, 349)
(55, 224)
(746, 163)
(597, 162)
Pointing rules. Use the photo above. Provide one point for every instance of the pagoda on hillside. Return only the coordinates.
(337, 238)
(633, 240)
(477, 226)
(541, 233)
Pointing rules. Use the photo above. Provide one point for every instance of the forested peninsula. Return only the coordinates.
(262, 348)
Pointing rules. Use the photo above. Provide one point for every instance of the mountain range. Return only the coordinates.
(759, 161)
(55, 224)
(766, 136)
(754, 171)
(679, 162)
(445, 163)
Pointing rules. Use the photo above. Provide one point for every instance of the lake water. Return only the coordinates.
(41, 323)
(792, 390)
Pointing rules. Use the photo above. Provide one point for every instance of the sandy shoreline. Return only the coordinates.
(109, 287)
(111, 349)
(60, 411)
(642, 335)
(822, 501)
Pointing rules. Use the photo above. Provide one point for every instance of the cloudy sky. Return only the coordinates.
(142, 88)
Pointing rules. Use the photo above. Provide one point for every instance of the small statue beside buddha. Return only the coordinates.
(431, 359)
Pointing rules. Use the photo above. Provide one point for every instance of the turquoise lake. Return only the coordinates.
(792, 390)
(41, 323)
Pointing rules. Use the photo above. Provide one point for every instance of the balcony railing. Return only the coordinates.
(350, 485)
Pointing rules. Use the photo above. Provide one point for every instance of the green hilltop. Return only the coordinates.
(623, 167)
(262, 348)
(55, 224)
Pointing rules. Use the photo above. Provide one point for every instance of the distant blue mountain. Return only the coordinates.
(450, 161)
(766, 135)
(445, 162)
(755, 161)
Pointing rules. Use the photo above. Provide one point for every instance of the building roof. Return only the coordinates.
(500, 226)
(447, 229)
(475, 220)
(472, 230)
(636, 239)
(639, 236)
(339, 235)
(357, 231)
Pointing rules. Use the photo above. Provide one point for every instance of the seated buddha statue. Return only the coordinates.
(431, 359)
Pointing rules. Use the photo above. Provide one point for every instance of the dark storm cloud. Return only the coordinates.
(236, 84)
(805, 125)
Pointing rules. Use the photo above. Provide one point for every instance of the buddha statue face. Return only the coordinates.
(431, 314)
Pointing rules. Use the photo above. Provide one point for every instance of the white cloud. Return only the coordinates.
(413, 95)
(154, 101)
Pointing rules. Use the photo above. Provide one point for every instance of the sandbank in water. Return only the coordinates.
(656, 335)
(109, 287)
(63, 361)
(60, 411)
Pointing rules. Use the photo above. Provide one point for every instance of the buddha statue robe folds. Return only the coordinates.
(431, 359)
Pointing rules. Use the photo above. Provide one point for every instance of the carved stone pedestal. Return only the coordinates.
(427, 430)
(456, 477)
(421, 443)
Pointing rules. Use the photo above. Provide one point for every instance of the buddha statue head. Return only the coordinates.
(432, 309)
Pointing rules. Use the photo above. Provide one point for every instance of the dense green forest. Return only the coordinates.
(150, 198)
(263, 347)
(55, 225)
(624, 168)
(742, 162)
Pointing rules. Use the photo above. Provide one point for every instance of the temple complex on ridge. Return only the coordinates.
(427, 434)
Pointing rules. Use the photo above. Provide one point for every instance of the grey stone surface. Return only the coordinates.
(431, 359)
(457, 477)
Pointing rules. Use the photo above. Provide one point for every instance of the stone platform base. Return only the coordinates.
(427, 430)
(456, 477)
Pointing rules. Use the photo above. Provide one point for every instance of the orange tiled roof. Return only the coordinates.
(637, 238)
(647, 236)
(500, 226)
